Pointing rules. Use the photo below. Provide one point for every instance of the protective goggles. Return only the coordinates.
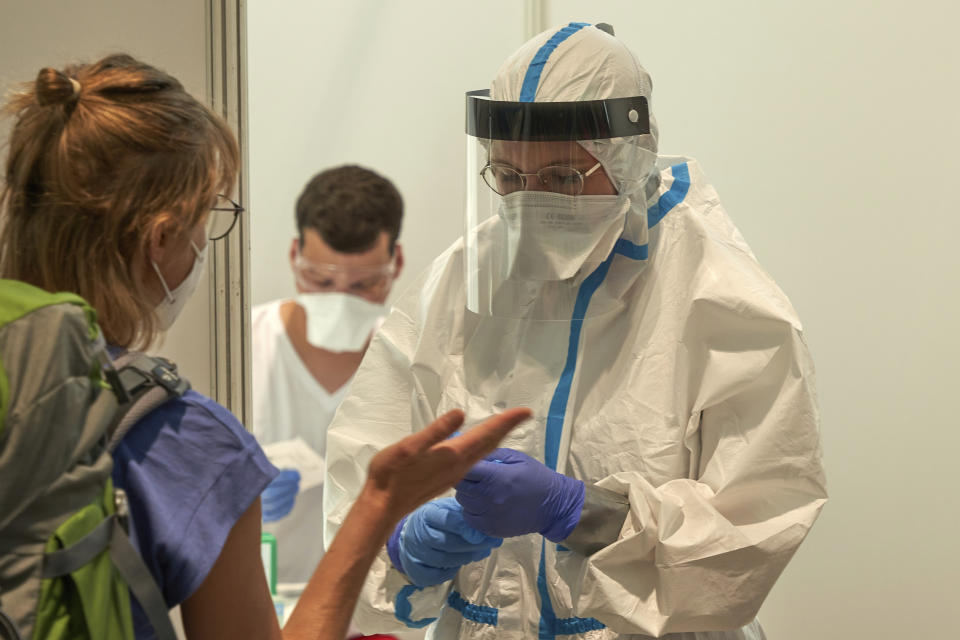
(366, 282)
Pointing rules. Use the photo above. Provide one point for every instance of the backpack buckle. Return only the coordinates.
(121, 508)
(165, 374)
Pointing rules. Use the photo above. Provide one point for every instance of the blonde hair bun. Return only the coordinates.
(55, 87)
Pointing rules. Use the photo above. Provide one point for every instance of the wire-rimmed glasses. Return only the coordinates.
(504, 179)
(223, 217)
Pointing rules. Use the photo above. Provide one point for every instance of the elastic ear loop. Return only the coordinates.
(166, 289)
(162, 281)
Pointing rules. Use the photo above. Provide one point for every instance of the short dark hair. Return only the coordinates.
(349, 206)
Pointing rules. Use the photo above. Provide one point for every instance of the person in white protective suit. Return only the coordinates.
(672, 466)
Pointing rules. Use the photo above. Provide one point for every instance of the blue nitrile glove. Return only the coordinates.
(277, 499)
(432, 543)
(508, 493)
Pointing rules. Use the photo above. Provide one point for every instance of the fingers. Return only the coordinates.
(461, 536)
(441, 523)
(437, 431)
(472, 506)
(481, 523)
(453, 544)
(287, 478)
(507, 456)
(277, 508)
(425, 463)
(485, 437)
(286, 484)
(425, 571)
(451, 555)
(459, 559)
(478, 473)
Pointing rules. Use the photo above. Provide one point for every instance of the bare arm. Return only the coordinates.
(234, 601)
(326, 605)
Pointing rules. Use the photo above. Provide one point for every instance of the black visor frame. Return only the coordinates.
(556, 121)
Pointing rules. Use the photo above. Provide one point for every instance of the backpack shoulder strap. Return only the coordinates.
(110, 535)
(137, 576)
(145, 382)
(148, 381)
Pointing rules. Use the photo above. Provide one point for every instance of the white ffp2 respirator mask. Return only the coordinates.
(339, 322)
(550, 236)
(173, 301)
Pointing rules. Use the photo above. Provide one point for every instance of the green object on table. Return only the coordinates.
(268, 553)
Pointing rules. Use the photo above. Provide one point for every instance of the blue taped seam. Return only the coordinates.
(403, 610)
(532, 78)
(473, 612)
(674, 196)
(558, 405)
(550, 626)
(569, 626)
(555, 418)
(630, 250)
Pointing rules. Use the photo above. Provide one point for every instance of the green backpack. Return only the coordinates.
(66, 565)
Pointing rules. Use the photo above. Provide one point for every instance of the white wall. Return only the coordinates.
(170, 35)
(370, 82)
(831, 132)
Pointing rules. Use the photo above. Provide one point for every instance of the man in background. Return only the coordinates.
(306, 349)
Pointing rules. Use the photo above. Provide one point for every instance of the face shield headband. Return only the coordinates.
(555, 121)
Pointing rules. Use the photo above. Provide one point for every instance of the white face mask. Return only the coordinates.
(550, 236)
(172, 303)
(339, 321)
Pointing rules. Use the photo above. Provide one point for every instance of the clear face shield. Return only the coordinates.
(543, 210)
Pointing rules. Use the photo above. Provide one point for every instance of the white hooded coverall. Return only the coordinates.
(692, 397)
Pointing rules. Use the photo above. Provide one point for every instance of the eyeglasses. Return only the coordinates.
(365, 282)
(223, 216)
(564, 179)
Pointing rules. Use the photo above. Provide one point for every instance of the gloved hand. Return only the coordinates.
(432, 543)
(508, 493)
(277, 499)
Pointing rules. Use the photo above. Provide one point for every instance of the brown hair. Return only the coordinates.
(100, 154)
(349, 206)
